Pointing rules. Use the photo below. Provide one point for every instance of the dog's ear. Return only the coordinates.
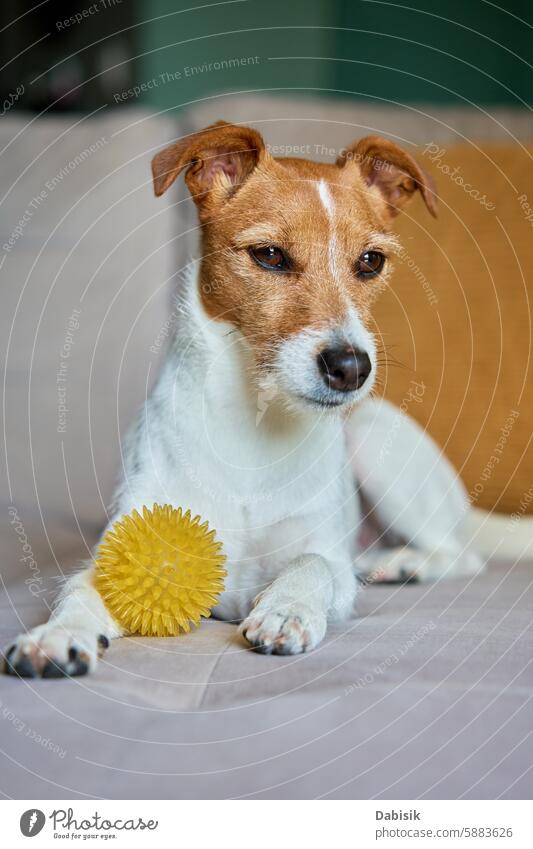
(218, 160)
(393, 171)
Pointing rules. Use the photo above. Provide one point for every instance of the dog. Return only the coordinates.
(262, 419)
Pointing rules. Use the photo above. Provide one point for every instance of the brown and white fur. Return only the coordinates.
(252, 427)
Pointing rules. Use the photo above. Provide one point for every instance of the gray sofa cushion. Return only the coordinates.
(426, 693)
(87, 278)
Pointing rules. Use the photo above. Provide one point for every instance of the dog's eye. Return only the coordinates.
(369, 264)
(270, 257)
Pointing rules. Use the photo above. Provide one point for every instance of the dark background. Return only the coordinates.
(471, 52)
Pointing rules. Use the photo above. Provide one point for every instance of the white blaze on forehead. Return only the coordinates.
(328, 203)
(325, 196)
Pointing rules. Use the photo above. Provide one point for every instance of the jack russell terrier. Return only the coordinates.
(258, 421)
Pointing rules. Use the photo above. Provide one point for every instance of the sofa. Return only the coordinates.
(424, 693)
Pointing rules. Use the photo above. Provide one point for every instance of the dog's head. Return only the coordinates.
(294, 251)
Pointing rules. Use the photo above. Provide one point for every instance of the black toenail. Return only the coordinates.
(81, 668)
(8, 667)
(7, 663)
(24, 668)
(54, 670)
(261, 648)
(72, 653)
(103, 641)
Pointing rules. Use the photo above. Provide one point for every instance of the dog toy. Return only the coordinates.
(160, 572)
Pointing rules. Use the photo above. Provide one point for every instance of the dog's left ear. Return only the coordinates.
(218, 160)
(393, 171)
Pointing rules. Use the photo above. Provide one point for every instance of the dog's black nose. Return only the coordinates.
(344, 369)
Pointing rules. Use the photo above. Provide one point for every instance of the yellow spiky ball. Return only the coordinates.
(160, 572)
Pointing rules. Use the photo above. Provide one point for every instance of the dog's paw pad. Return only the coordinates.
(278, 630)
(52, 652)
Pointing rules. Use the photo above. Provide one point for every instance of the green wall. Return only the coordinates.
(470, 56)
(364, 48)
(177, 41)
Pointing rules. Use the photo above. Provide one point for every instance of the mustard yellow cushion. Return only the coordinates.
(457, 318)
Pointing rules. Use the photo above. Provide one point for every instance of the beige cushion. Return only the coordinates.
(86, 289)
(425, 694)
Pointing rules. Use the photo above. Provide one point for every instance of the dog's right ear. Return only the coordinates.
(218, 160)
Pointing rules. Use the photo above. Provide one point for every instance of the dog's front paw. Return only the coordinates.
(51, 651)
(283, 629)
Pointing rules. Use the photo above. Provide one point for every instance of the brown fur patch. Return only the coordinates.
(247, 198)
(279, 204)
